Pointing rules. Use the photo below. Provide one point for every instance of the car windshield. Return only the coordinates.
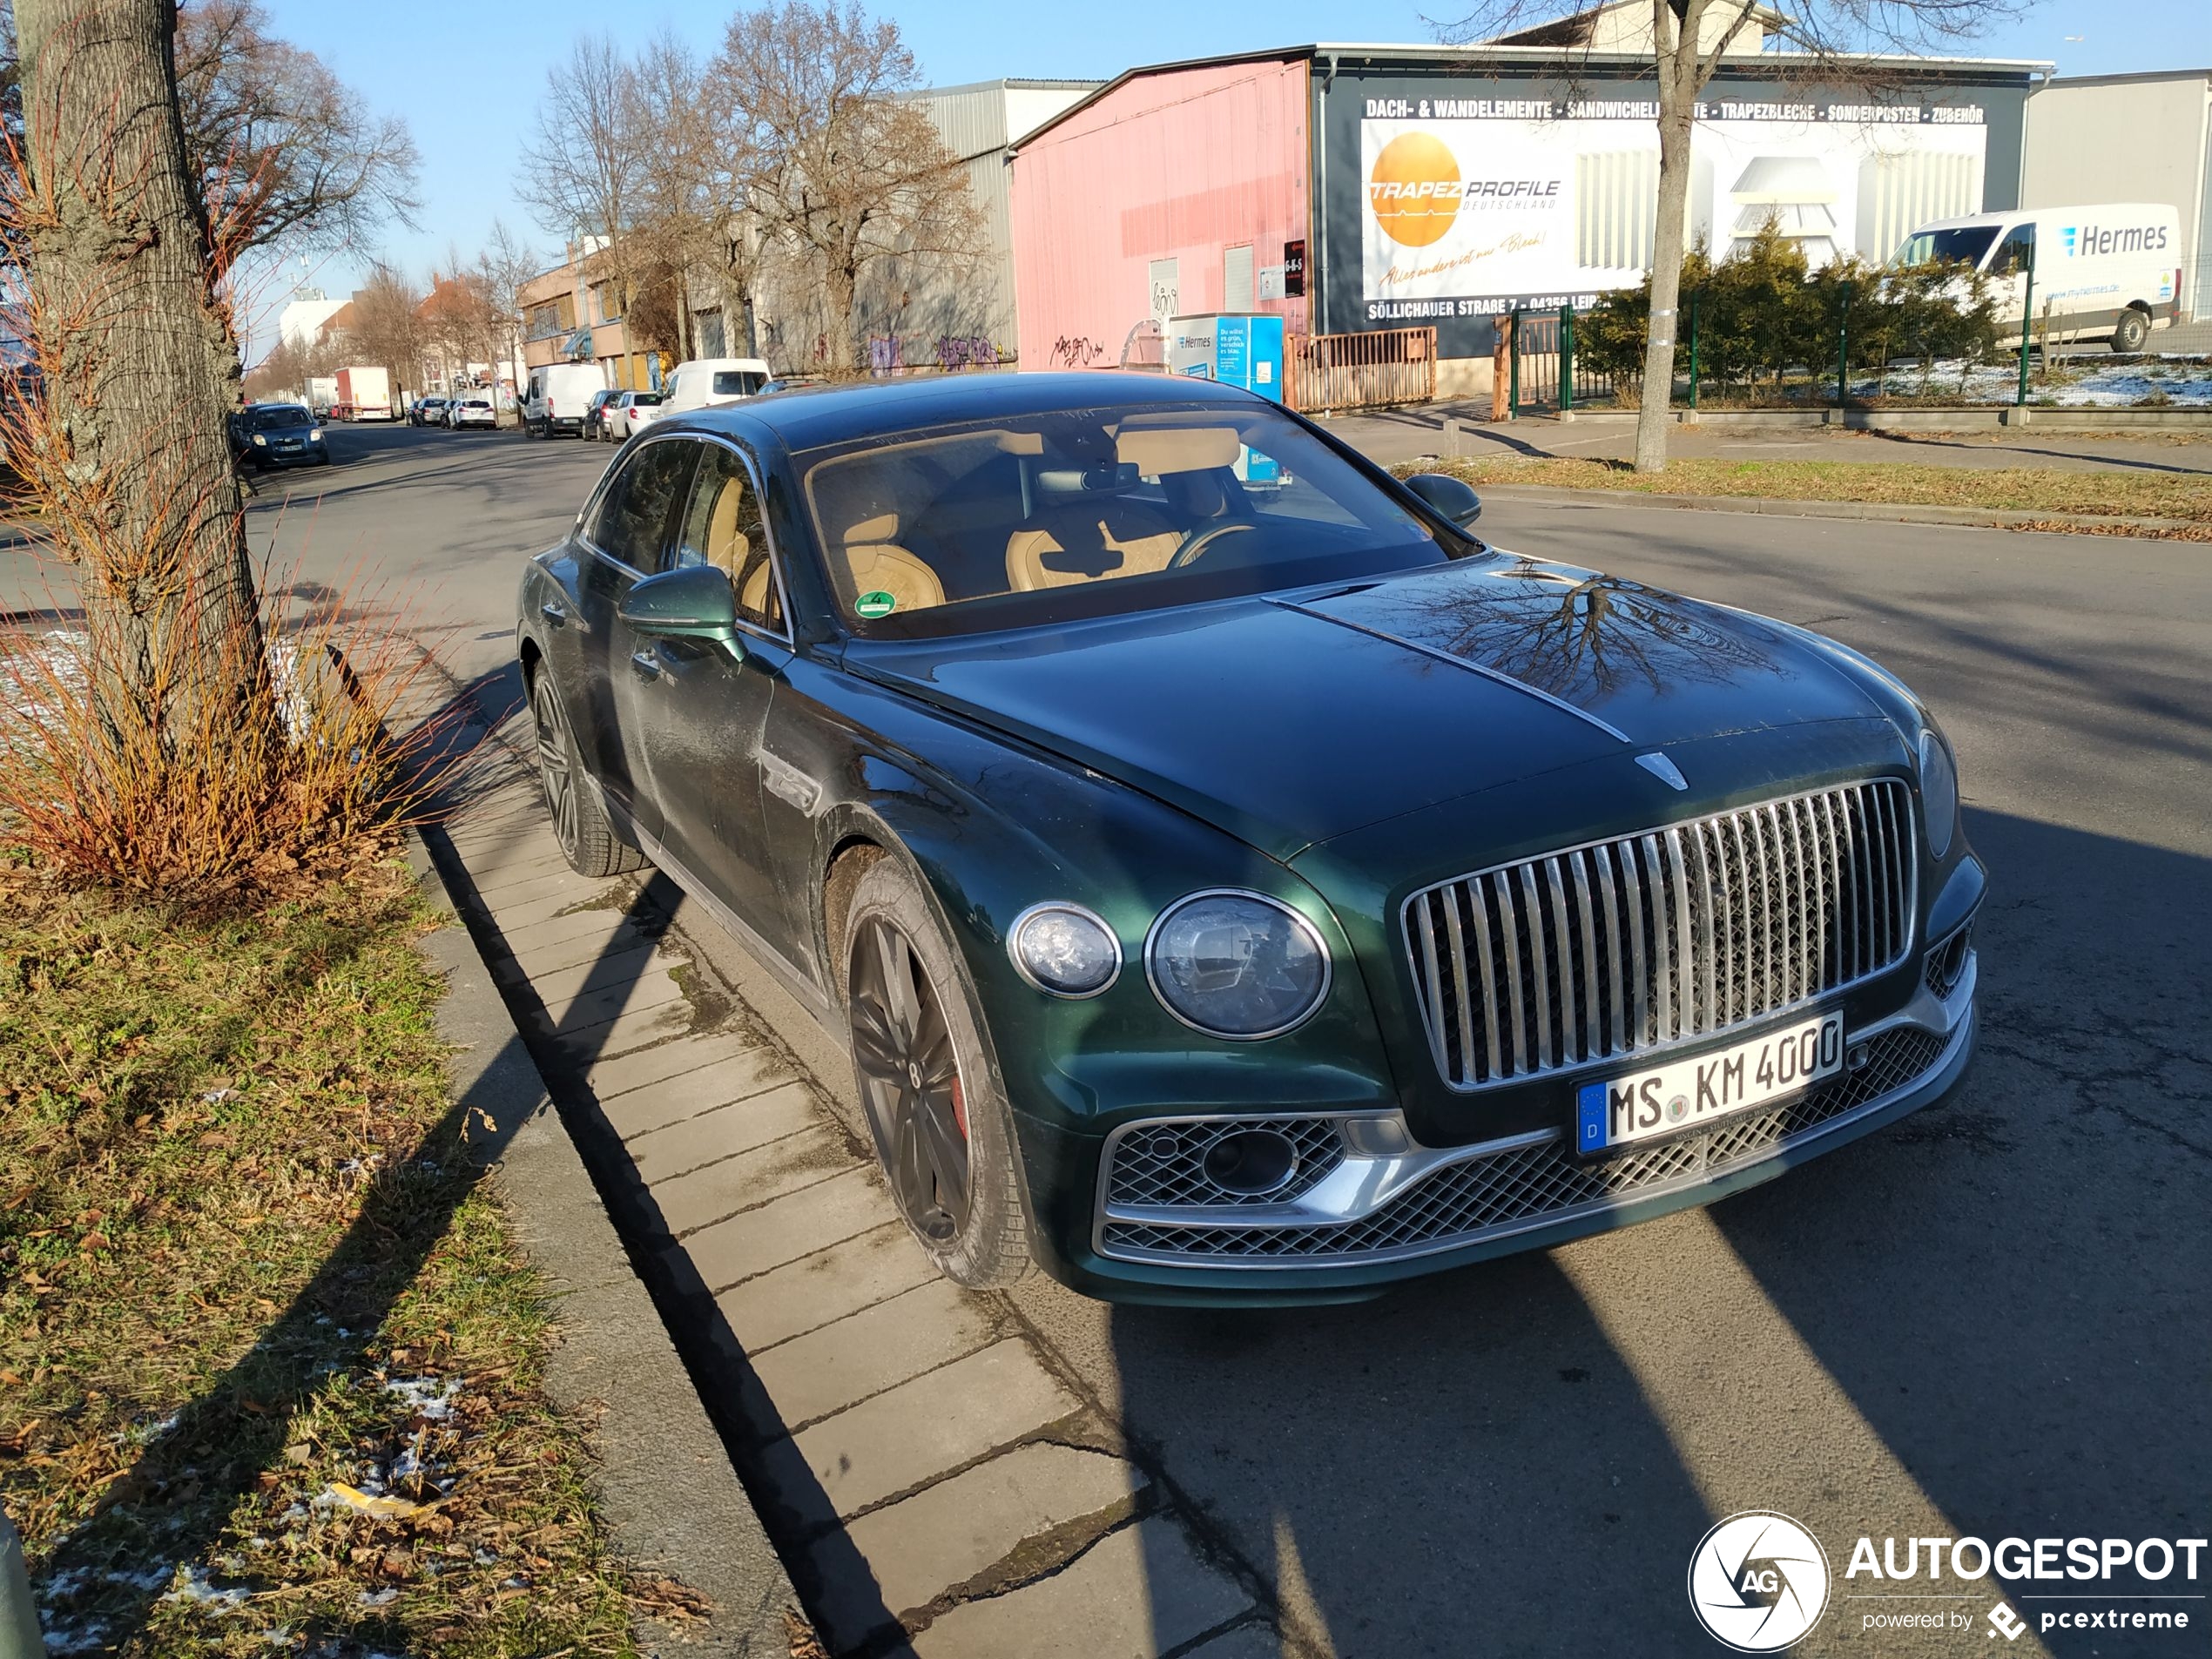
(281, 417)
(1946, 247)
(1008, 522)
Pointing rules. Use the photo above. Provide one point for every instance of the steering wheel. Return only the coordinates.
(1195, 545)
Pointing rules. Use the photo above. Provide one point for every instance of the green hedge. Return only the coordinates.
(1763, 317)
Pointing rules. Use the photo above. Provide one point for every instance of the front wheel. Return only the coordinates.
(2131, 332)
(580, 825)
(933, 1100)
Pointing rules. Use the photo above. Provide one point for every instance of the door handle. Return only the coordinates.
(556, 614)
(644, 664)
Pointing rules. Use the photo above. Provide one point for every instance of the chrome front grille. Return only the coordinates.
(1632, 944)
(1529, 1184)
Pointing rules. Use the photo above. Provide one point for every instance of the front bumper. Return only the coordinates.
(1373, 1219)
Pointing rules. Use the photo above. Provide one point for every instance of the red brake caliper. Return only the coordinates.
(960, 1107)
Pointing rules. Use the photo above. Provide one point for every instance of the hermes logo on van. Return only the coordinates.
(2090, 239)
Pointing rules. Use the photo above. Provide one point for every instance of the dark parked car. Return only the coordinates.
(596, 413)
(428, 411)
(1237, 879)
(279, 435)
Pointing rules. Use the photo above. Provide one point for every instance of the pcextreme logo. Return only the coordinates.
(1758, 1581)
(1415, 191)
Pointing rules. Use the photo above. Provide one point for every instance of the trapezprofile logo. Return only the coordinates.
(1758, 1581)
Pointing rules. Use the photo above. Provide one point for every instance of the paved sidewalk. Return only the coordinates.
(930, 1475)
(1404, 435)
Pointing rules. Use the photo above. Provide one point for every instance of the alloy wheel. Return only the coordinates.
(910, 1080)
(556, 768)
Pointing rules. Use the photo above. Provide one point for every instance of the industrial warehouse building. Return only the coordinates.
(2130, 137)
(1361, 189)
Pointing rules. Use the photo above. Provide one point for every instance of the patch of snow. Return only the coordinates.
(378, 1598)
(198, 1591)
(427, 1396)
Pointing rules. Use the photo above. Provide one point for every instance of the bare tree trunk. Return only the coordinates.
(1676, 61)
(843, 284)
(140, 367)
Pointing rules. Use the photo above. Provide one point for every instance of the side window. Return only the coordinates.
(722, 528)
(632, 516)
(2014, 251)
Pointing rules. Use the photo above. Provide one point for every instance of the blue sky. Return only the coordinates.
(467, 73)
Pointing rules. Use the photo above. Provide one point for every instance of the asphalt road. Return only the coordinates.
(1991, 1321)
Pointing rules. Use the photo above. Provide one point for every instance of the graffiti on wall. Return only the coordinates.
(1076, 351)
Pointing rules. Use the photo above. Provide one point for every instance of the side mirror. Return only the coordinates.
(1448, 497)
(694, 603)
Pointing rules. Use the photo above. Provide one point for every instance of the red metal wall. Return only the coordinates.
(1185, 163)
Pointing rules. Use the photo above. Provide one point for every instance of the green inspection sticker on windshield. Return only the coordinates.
(874, 604)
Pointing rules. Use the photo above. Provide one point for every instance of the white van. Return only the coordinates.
(557, 395)
(2110, 273)
(706, 381)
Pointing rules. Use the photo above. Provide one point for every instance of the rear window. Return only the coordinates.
(644, 400)
(738, 382)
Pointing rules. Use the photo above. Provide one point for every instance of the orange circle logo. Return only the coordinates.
(1415, 189)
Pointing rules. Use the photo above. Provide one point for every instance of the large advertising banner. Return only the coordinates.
(1474, 206)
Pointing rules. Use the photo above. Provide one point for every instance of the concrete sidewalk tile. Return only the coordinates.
(1246, 1641)
(500, 860)
(574, 941)
(740, 1073)
(945, 1535)
(808, 1294)
(563, 884)
(654, 987)
(783, 1231)
(561, 984)
(609, 1078)
(677, 1149)
(602, 900)
(1134, 1595)
(766, 1173)
(867, 1353)
(611, 1038)
(935, 1422)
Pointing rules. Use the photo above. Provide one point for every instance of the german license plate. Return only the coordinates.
(1688, 1094)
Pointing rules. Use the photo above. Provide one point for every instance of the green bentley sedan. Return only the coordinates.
(1234, 880)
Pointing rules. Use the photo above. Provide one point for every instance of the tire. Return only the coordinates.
(930, 1090)
(2131, 333)
(587, 840)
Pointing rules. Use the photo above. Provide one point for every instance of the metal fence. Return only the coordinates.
(1364, 371)
(1542, 368)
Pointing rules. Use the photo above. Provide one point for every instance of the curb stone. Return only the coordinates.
(671, 1499)
(1782, 506)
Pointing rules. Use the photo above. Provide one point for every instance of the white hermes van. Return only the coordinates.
(557, 395)
(706, 381)
(2111, 272)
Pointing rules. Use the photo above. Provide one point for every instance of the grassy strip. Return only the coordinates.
(2025, 489)
(269, 1362)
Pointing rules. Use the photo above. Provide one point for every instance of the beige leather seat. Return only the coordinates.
(879, 565)
(730, 550)
(1086, 544)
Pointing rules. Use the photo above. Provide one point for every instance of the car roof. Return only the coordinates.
(807, 417)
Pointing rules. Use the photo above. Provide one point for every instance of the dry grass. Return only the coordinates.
(175, 786)
(2025, 489)
(246, 1265)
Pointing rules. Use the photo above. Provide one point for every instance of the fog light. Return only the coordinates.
(1250, 1162)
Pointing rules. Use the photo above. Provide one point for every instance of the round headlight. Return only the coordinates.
(1235, 964)
(1064, 950)
(1939, 793)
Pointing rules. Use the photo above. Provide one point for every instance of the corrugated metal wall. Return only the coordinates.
(1182, 165)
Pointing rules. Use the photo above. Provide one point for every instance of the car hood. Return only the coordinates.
(1291, 718)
